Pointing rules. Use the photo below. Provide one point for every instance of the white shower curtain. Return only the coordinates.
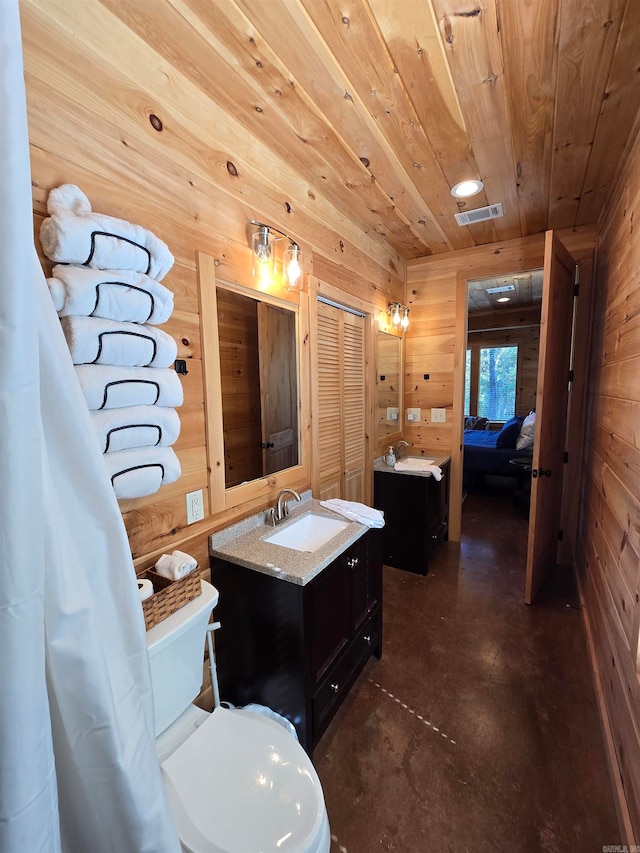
(78, 770)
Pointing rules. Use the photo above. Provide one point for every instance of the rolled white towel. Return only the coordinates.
(135, 426)
(123, 295)
(92, 340)
(354, 511)
(107, 387)
(74, 234)
(140, 472)
(175, 565)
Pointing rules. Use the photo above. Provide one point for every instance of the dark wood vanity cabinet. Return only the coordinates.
(416, 513)
(299, 649)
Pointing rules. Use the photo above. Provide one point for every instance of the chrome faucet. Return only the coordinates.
(280, 511)
(400, 444)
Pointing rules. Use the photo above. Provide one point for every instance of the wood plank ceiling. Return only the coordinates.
(381, 106)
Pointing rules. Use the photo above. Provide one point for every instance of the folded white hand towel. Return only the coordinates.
(354, 511)
(135, 426)
(73, 234)
(92, 340)
(107, 387)
(176, 565)
(140, 472)
(413, 464)
(123, 295)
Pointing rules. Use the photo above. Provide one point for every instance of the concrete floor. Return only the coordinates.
(478, 729)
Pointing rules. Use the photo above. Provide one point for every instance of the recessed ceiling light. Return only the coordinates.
(504, 299)
(465, 189)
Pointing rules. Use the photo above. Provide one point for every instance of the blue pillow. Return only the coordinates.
(509, 433)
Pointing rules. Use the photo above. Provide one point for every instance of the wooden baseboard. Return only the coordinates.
(619, 798)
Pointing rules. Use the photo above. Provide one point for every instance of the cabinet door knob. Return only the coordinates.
(353, 562)
(335, 687)
(367, 639)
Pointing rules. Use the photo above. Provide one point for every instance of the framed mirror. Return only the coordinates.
(259, 385)
(255, 353)
(388, 388)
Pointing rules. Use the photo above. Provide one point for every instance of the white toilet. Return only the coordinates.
(236, 782)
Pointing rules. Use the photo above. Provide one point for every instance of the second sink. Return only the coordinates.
(307, 533)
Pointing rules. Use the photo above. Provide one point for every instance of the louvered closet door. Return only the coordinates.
(353, 406)
(341, 404)
(329, 399)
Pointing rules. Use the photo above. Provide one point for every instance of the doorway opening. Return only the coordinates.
(501, 369)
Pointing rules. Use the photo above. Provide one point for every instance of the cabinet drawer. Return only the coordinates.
(344, 672)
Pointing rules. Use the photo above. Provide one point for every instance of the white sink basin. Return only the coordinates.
(308, 533)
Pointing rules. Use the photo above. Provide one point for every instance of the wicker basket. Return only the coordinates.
(168, 595)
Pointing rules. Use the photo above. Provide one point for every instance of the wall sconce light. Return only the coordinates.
(399, 314)
(264, 255)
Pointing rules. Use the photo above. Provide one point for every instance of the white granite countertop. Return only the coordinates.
(243, 543)
(439, 460)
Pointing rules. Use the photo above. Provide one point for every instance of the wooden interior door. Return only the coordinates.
(551, 413)
(340, 404)
(278, 384)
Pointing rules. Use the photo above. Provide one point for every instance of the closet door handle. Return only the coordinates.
(335, 687)
(541, 472)
(266, 445)
(353, 562)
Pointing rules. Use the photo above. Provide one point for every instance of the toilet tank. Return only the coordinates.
(176, 650)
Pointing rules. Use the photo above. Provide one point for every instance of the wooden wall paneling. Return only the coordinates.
(608, 563)
(617, 681)
(378, 85)
(472, 46)
(127, 64)
(588, 38)
(419, 57)
(213, 42)
(315, 69)
(617, 784)
(618, 115)
(530, 91)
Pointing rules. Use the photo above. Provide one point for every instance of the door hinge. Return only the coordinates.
(565, 458)
(560, 535)
(576, 288)
(576, 281)
(571, 376)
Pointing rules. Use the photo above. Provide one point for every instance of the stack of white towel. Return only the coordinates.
(107, 292)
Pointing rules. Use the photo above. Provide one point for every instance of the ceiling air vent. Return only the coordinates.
(480, 214)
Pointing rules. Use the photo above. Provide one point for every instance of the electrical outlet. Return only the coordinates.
(392, 413)
(414, 415)
(438, 416)
(195, 506)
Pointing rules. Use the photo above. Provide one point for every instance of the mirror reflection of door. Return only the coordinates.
(258, 377)
(276, 345)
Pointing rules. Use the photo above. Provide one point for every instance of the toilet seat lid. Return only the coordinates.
(241, 782)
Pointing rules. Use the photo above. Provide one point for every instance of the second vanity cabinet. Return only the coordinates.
(298, 649)
(416, 513)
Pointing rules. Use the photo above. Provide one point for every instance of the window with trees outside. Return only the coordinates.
(496, 390)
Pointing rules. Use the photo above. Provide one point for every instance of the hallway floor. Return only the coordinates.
(478, 729)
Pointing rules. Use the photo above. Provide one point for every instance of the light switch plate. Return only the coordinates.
(392, 413)
(414, 415)
(195, 506)
(438, 416)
